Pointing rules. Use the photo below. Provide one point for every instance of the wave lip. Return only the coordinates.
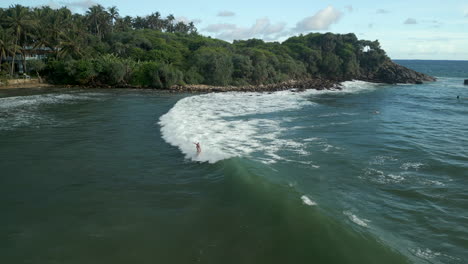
(355, 219)
(307, 201)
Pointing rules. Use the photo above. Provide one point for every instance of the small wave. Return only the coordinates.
(312, 139)
(380, 177)
(334, 114)
(381, 160)
(433, 183)
(35, 100)
(356, 220)
(358, 86)
(21, 111)
(426, 254)
(307, 201)
(411, 165)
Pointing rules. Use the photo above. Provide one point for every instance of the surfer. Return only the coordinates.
(197, 145)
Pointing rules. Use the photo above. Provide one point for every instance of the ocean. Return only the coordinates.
(371, 173)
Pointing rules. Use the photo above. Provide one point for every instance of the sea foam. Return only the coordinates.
(307, 201)
(21, 111)
(355, 219)
(236, 124)
(231, 124)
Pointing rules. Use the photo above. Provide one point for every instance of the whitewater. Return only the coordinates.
(237, 124)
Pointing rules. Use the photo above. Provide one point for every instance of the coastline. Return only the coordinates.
(296, 85)
(299, 85)
(25, 83)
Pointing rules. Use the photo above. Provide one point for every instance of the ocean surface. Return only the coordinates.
(369, 174)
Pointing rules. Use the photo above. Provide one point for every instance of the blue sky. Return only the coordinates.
(430, 29)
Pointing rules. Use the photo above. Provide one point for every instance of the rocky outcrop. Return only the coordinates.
(297, 85)
(465, 82)
(390, 72)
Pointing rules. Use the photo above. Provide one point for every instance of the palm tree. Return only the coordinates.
(113, 14)
(6, 44)
(155, 21)
(139, 22)
(70, 46)
(97, 18)
(123, 23)
(18, 20)
(170, 23)
(41, 30)
(192, 28)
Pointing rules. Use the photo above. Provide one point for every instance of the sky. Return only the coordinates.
(416, 29)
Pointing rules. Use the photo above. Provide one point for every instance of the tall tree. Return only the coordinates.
(97, 19)
(113, 15)
(170, 23)
(6, 44)
(18, 20)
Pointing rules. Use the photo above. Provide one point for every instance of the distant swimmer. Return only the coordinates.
(197, 145)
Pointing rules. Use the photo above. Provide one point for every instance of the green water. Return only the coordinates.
(112, 176)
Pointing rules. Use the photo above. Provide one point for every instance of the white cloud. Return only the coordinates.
(320, 21)
(83, 5)
(53, 5)
(382, 11)
(262, 28)
(410, 21)
(226, 13)
(187, 20)
(424, 44)
(215, 28)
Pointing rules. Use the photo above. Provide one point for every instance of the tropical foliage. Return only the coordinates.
(104, 49)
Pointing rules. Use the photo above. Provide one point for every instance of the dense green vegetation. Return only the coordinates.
(103, 48)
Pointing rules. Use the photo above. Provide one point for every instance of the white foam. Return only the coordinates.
(381, 160)
(312, 139)
(35, 100)
(358, 86)
(425, 253)
(231, 125)
(355, 219)
(25, 110)
(411, 165)
(379, 176)
(307, 201)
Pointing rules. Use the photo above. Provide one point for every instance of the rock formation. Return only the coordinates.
(390, 72)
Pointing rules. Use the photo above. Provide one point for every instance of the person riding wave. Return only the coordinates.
(197, 145)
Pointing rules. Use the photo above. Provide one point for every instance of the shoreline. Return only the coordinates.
(299, 85)
(25, 84)
(296, 85)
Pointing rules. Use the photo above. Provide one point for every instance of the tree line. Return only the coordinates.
(101, 48)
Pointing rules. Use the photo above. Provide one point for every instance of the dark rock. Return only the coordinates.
(390, 72)
(465, 82)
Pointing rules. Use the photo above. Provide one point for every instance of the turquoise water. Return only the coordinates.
(370, 174)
